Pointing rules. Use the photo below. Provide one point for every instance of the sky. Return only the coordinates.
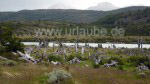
(16, 5)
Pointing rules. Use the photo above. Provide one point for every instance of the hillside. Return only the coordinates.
(76, 16)
(138, 21)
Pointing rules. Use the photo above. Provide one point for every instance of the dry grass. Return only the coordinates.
(30, 74)
(26, 74)
(105, 76)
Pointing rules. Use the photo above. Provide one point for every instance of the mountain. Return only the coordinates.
(68, 15)
(105, 6)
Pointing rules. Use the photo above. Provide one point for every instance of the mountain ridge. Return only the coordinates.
(68, 15)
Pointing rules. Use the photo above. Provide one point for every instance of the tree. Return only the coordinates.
(7, 40)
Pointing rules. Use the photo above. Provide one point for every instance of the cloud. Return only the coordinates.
(15, 5)
(61, 6)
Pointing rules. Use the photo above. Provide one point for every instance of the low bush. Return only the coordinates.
(95, 65)
(147, 64)
(55, 58)
(2, 49)
(9, 63)
(120, 68)
(58, 77)
(119, 60)
(70, 57)
(137, 60)
(10, 56)
(79, 56)
(44, 63)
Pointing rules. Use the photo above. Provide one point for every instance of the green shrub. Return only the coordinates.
(103, 61)
(2, 49)
(55, 58)
(58, 77)
(10, 56)
(137, 60)
(9, 63)
(147, 64)
(46, 63)
(95, 65)
(119, 60)
(120, 68)
(80, 57)
(70, 57)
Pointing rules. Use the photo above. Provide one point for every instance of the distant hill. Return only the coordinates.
(70, 15)
(126, 18)
(134, 22)
(105, 6)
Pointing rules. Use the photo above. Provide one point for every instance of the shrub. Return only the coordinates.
(120, 61)
(142, 75)
(44, 63)
(70, 57)
(95, 65)
(9, 63)
(59, 77)
(147, 64)
(2, 49)
(137, 60)
(55, 58)
(120, 68)
(10, 56)
(103, 61)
